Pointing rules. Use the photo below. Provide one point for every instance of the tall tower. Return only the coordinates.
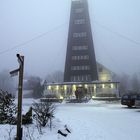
(80, 64)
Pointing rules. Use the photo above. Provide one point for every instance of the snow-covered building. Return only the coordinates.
(104, 87)
(81, 68)
(104, 74)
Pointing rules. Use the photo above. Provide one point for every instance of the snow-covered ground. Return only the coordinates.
(95, 120)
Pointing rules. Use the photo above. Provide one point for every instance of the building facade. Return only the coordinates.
(93, 89)
(81, 68)
(80, 64)
(104, 73)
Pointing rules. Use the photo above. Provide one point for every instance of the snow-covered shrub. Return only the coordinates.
(44, 112)
(27, 118)
(7, 108)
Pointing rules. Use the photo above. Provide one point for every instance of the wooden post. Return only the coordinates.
(20, 85)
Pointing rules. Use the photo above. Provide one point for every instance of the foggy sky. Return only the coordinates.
(115, 27)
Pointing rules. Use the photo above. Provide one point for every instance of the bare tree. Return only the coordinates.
(6, 82)
(34, 83)
(124, 80)
(44, 111)
(135, 83)
(57, 76)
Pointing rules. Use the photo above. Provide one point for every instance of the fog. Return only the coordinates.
(39, 31)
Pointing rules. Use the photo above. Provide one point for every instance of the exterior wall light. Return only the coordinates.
(49, 87)
(61, 97)
(112, 86)
(65, 87)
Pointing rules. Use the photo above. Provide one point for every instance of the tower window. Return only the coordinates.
(88, 77)
(79, 10)
(79, 21)
(75, 48)
(77, 78)
(80, 57)
(80, 67)
(82, 34)
(78, 1)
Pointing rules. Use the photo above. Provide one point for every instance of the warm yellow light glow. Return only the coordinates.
(65, 87)
(61, 97)
(94, 87)
(74, 87)
(49, 87)
(86, 85)
(104, 77)
(112, 86)
(103, 85)
(57, 87)
(93, 97)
